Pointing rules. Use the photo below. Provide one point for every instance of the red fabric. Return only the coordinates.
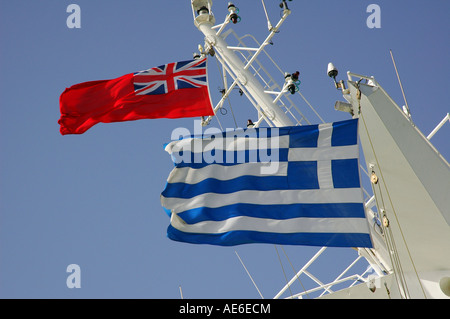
(86, 104)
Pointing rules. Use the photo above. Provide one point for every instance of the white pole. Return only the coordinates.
(438, 127)
(251, 278)
(300, 272)
(400, 83)
(244, 76)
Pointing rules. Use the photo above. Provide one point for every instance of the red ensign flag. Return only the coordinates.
(174, 90)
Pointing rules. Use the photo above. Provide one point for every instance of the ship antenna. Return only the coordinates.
(269, 25)
(407, 111)
(181, 292)
(251, 278)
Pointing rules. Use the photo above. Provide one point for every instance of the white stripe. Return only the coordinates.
(309, 196)
(325, 131)
(293, 225)
(324, 175)
(230, 143)
(323, 153)
(193, 176)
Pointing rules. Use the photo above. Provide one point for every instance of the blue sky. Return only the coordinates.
(93, 199)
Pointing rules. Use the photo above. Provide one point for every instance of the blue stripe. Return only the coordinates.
(256, 132)
(201, 65)
(303, 136)
(281, 212)
(345, 173)
(139, 86)
(245, 133)
(180, 64)
(160, 90)
(181, 84)
(212, 185)
(345, 133)
(228, 158)
(250, 237)
(161, 67)
(303, 175)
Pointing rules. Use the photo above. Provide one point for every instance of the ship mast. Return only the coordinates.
(410, 181)
(265, 104)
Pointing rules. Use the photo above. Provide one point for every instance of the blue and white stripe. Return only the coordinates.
(313, 197)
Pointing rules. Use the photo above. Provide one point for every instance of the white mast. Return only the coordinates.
(411, 183)
(204, 20)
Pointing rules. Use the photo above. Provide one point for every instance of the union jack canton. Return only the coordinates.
(169, 77)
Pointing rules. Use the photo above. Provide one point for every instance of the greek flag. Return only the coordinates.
(288, 185)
